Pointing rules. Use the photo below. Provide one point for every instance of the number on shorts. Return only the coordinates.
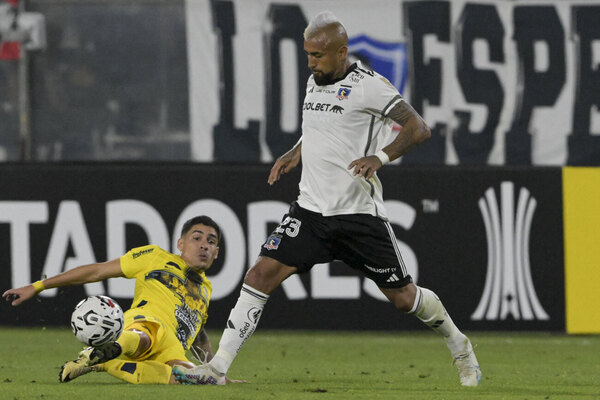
(293, 227)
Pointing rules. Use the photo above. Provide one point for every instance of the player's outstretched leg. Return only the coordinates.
(203, 374)
(430, 310)
(88, 361)
(140, 372)
(241, 324)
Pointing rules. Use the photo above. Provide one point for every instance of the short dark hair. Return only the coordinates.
(201, 219)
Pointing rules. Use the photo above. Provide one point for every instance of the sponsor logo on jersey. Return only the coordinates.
(326, 107)
(508, 286)
(326, 91)
(356, 77)
(188, 323)
(141, 253)
(337, 110)
(272, 242)
(343, 93)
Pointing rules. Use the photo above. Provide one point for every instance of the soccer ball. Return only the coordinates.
(97, 320)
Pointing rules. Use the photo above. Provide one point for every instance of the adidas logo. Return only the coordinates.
(393, 278)
(437, 323)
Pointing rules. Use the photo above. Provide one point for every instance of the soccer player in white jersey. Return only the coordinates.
(348, 113)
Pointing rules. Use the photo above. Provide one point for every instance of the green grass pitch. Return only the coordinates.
(327, 365)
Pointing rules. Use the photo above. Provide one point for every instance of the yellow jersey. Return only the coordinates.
(167, 289)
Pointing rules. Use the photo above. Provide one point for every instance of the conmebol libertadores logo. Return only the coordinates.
(508, 287)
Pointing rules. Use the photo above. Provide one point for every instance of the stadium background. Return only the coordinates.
(130, 116)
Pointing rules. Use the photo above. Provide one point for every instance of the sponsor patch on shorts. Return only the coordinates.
(272, 242)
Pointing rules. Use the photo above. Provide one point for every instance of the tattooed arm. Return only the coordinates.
(286, 162)
(414, 131)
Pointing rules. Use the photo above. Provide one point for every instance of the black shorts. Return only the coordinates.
(362, 241)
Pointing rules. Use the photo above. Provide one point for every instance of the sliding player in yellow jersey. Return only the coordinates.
(168, 311)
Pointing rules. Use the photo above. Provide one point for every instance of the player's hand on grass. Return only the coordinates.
(19, 295)
(365, 166)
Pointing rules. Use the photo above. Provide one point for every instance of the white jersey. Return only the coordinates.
(342, 122)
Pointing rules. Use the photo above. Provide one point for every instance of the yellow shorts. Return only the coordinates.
(165, 345)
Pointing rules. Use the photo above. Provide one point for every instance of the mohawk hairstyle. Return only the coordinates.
(320, 21)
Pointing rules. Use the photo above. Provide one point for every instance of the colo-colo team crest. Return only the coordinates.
(386, 58)
(508, 286)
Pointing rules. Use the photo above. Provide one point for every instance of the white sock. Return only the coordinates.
(429, 309)
(241, 324)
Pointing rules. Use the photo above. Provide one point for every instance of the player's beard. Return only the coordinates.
(323, 79)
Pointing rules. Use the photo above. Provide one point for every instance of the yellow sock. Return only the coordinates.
(139, 372)
(129, 341)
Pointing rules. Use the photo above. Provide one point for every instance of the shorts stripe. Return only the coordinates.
(396, 249)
